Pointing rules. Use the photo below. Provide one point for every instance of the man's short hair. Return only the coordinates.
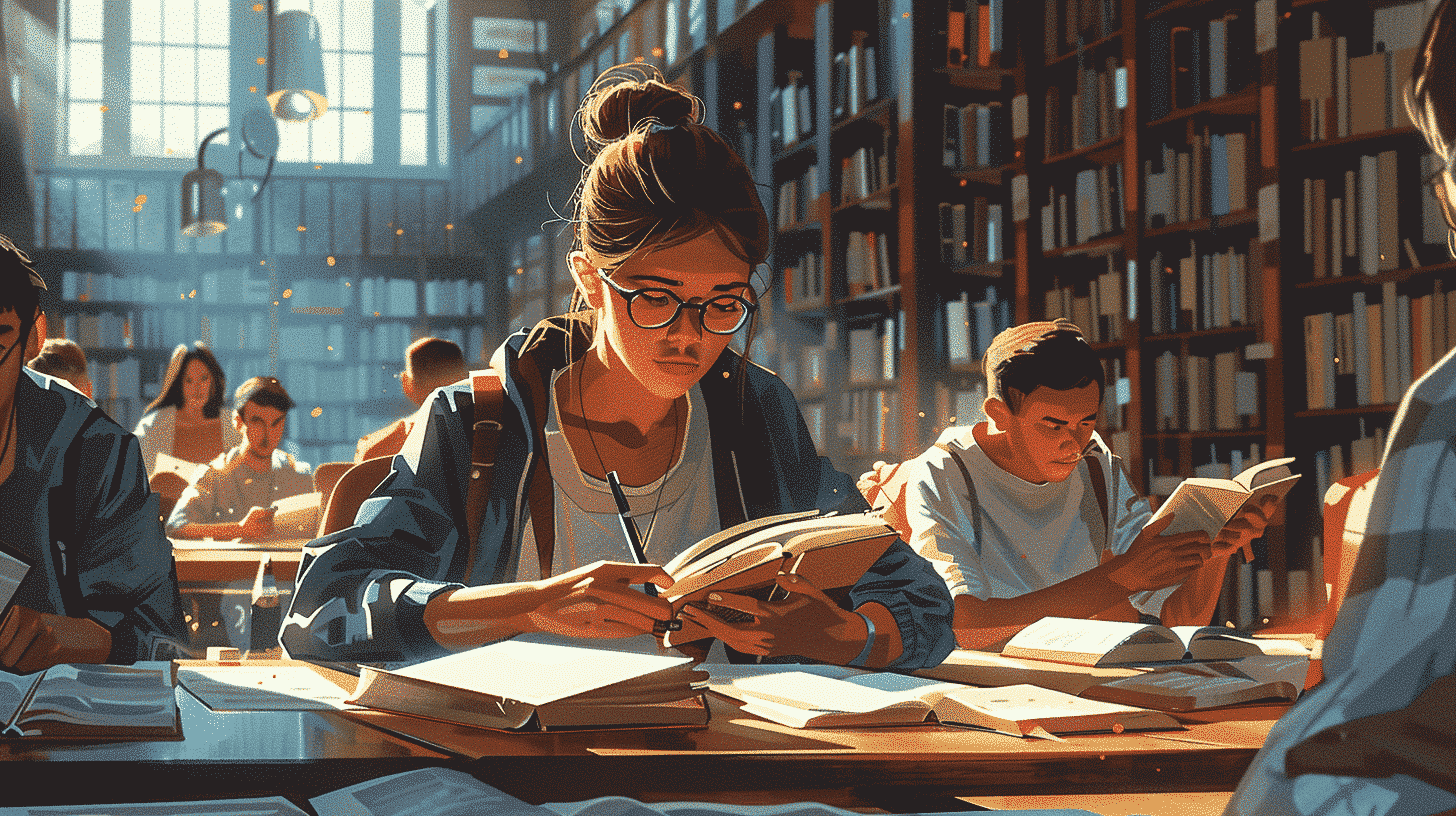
(265, 392)
(20, 283)
(60, 358)
(433, 362)
(1050, 353)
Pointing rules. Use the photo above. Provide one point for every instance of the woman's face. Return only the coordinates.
(669, 360)
(196, 385)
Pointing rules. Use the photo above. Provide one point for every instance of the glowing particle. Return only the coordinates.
(105, 108)
(504, 54)
(287, 293)
(399, 232)
(331, 263)
(519, 160)
(317, 411)
(192, 294)
(262, 60)
(302, 228)
(252, 89)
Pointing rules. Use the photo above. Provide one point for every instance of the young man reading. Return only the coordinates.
(429, 363)
(1031, 515)
(102, 587)
(233, 497)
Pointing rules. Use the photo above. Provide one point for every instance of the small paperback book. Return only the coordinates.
(541, 682)
(1200, 503)
(833, 552)
(1196, 686)
(834, 697)
(1103, 643)
(92, 702)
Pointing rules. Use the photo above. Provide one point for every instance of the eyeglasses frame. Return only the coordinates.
(702, 308)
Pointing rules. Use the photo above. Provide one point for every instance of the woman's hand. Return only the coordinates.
(600, 600)
(807, 623)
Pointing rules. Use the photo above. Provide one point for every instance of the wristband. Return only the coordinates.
(864, 654)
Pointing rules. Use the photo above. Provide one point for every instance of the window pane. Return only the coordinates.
(327, 13)
(212, 22)
(146, 73)
(146, 21)
(482, 117)
(627, 46)
(326, 139)
(332, 86)
(358, 19)
(359, 87)
(414, 83)
(146, 130)
(179, 69)
(210, 118)
(494, 33)
(85, 129)
(358, 137)
(480, 80)
(85, 19)
(212, 75)
(178, 24)
(293, 138)
(179, 131)
(85, 71)
(413, 26)
(414, 139)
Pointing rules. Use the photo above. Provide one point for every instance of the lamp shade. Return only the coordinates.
(203, 210)
(296, 90)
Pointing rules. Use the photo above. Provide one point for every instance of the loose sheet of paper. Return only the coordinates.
(263, 688)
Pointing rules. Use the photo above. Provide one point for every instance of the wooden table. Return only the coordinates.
(220, 562)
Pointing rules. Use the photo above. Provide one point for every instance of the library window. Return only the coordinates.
(414, 87)
(179, 74)
(82, 64)
(345, 133)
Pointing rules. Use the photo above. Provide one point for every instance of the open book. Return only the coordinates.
(1195, 686)
(540, 682)
(86, 701)
(297, 515)
(1103, 643)
(832, 552)
(1200, 503)
(833, 697)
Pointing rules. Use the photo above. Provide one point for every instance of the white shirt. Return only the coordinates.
(684, 502)
(1032, 535)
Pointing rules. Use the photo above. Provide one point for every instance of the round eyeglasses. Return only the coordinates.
(654, 308)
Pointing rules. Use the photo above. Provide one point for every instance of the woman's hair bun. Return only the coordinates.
(629, 95)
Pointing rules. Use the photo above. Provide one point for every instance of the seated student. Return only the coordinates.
(102, 587)
(429, 363)
(1376, 735)
(186, 419)
(642, 382)
(233, 496)
(1033, 516)
(63, 360)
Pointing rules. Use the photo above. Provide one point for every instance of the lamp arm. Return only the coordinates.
(267, 174)
(202, 149)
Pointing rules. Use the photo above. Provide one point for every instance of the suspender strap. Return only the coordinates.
(489, 402)
(970, 493)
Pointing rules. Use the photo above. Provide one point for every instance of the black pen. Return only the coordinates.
(634, 539)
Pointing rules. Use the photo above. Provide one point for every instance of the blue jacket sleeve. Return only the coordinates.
(361, 592)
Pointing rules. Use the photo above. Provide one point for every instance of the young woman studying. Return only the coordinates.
(639, 380)
(185, 420)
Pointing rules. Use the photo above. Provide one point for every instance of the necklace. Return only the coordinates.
(671, 453)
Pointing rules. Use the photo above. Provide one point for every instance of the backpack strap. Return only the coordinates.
(489, 403)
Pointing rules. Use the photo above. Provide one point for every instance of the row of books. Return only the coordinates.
(863, 173)
(1197, 394)
(1099, 313)
(974, 31)
(867, 262)
(971, 326)
(1218, 466)
(1200, 62)
(874, 349)
(807, 371)
(1360, 455)
(856, 80)
(972, 234)
(804, 283)
(960, 405)
(1210, 179)
(1201, 290)
(797, 198)
(1068, 24)
(870, 421)
(1371, 354)
(791, 111)
(1329, 78)
(1115, 396)
(386, 342)
(1095, 209)
(976, 135)
(1352, 220)
(1091, 113)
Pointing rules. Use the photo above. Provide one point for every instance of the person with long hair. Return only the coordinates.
(640, 380)
(185, 420)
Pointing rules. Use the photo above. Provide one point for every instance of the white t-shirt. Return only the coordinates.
(587, 526)
(1032, 535)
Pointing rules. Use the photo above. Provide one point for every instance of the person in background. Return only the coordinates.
(1030, 514)
(639, 379)
(186, 419)
(233, 496)
(63, 360)
(429, 363)
(102, 585)
(1376, 736)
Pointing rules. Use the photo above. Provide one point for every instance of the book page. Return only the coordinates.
(167, 463)
(263, 688)
(424, 792)
(1201, 504)
(1265, 472)
(856, 695)
(1074, 638)
(538, 669)
(12, 572)
(297, 514)
(13, 689)
(1027, 704)
(104, 697)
